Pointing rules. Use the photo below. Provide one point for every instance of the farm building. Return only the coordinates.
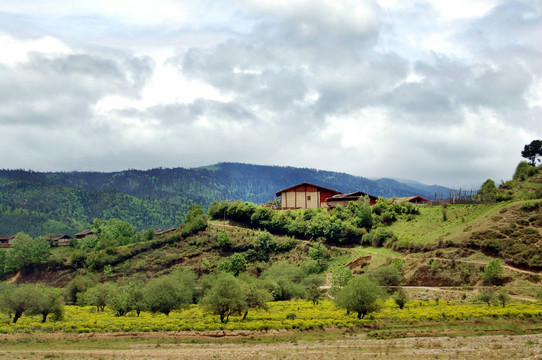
(304, 196)
(418, 200)
(84, 234)
(162, 231)
(6, 240)
(59, 240)
(344, 199)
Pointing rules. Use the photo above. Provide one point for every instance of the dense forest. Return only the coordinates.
(66, 202)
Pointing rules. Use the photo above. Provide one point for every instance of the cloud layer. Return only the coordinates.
(420, 90)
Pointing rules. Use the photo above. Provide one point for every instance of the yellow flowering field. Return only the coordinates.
(295, 314)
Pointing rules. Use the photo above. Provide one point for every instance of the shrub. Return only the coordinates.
(223, 240)
(360, 295)
(493, 272)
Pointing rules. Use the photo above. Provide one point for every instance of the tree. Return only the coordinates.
(387, 276)
(195, 220)
(264, 243)
(46, 300)
(121, 300)
(488, 190)
(312, 285)
(282, 280)
(114, 232)
(225, 298)
(223, 240)
(25, 252)
(532, 151)
(360, 295)
(524, 170)
(238, 264)
(77, 285)
(503, 298)
(135, 288)
(340, 276)
(400, 298)
(167, 293)
(487, 295)
(17, 299)
(493, 272)
(96, 296)
(257, 296)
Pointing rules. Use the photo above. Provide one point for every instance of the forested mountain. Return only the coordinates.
(66, 202)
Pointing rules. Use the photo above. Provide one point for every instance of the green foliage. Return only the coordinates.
(387, 276)
(257, 296)
(167, 293)
(312, 285)
(488, 191)
(400, 298)
(217, 209)
(532, 151)
(25, 252)
(195, 220)
(3, 254)
(114, 232)
(46, 301)
(223, 240)
(493, 272)
(236, 264)
(77, 285)
(16, 299)
(524, 170)
(283, 281)
(360, 295)
(340, 276)
(225, 298)
(378, 237)
(503, 298)
(96, 296)
(487, 296)
(264, 244)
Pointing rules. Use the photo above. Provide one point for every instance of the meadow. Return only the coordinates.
(293, 314)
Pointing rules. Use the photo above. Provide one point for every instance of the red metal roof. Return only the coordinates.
(309, 184)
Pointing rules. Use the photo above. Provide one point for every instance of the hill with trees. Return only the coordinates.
(39, 203)
(405, 265)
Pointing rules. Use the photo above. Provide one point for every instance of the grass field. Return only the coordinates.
(295, 314)
(478, 343)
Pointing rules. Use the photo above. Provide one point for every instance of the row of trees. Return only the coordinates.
(225, 294)
(31, 300)
(343, 224)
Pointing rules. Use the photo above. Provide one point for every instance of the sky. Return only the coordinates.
(441, 92)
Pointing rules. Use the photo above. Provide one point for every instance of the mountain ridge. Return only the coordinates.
(160, 196)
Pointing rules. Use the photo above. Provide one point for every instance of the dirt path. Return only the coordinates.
(482, 347)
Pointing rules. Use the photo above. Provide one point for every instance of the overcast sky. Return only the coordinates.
(442, 92)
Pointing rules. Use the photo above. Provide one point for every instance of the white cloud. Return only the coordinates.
(16, 50)
(437, 91)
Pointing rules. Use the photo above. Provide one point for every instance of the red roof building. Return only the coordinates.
(344, 199)
(304, 196)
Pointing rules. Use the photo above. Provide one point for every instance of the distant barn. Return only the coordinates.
(344, 199)
(304, 196)
(417, 200)
(6, 240)
(84, 234)
(59, 240)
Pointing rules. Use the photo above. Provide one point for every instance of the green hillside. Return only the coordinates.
(65, 203)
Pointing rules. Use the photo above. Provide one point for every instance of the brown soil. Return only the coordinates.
(482, 347)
